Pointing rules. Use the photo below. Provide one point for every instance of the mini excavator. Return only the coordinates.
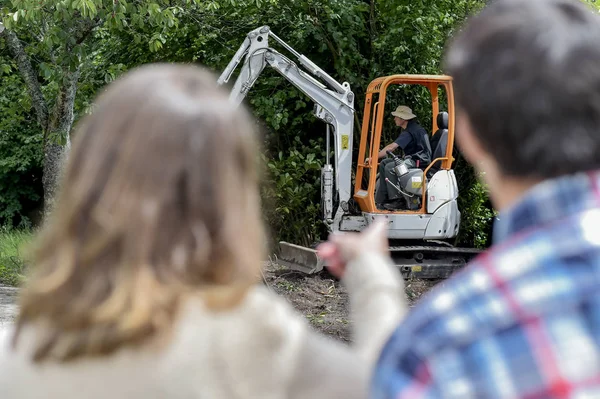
(419, 235)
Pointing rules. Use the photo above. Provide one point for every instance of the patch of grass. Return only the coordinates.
(287, 286)
(12, 260)
(317, 318)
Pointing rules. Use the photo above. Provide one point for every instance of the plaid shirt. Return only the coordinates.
(522, 320)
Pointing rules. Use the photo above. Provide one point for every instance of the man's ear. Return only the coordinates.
(468, 142)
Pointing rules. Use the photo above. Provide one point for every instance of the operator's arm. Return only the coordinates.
(390, 147)
(402, 141)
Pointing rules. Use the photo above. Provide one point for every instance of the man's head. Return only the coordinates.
(527, 83)
(402, 115)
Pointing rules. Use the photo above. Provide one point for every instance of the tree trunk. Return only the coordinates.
(53, 159)
(57, 141)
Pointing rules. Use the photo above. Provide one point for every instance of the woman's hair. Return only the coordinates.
(159, 201)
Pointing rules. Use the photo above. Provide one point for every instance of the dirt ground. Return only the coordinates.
(323, 299)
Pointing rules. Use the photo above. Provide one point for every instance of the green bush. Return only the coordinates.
(477, 214)
(291, 195)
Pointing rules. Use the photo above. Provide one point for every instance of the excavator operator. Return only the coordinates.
(414, 142)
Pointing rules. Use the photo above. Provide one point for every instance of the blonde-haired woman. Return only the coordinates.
(145, 279)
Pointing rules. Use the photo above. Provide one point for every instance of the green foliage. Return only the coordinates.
(20, 151)
(12, 255)
(474, 204)
(411, 35)
(475, 229)
(291, 194)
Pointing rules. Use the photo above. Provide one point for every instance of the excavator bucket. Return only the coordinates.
(300, 258)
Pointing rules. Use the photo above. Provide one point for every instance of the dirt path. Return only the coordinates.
(8, 307)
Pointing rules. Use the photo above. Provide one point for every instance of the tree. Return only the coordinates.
(53, 42)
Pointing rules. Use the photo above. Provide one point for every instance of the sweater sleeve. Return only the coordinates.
(377, 302)
(329, 369)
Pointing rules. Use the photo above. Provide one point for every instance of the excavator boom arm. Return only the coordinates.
(334, 104)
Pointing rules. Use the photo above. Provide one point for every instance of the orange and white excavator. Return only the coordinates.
(419, 233)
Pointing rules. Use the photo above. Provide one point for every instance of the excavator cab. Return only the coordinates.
(419, 233)
(411, 183)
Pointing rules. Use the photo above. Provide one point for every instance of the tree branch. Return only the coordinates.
(85, 29)
(29, 76)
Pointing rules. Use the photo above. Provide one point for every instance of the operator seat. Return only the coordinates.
(439, 141)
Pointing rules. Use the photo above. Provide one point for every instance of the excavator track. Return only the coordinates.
(431, 261)
(435, 261)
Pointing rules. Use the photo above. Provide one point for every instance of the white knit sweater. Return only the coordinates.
(262, 349)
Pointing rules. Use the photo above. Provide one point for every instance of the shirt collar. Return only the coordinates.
(549, 201)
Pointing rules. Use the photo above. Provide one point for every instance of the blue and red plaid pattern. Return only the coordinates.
(522, 320)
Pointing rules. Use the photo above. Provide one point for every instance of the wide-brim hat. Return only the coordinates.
(404, 112)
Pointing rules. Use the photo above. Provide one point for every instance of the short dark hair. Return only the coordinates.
(527, 74)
